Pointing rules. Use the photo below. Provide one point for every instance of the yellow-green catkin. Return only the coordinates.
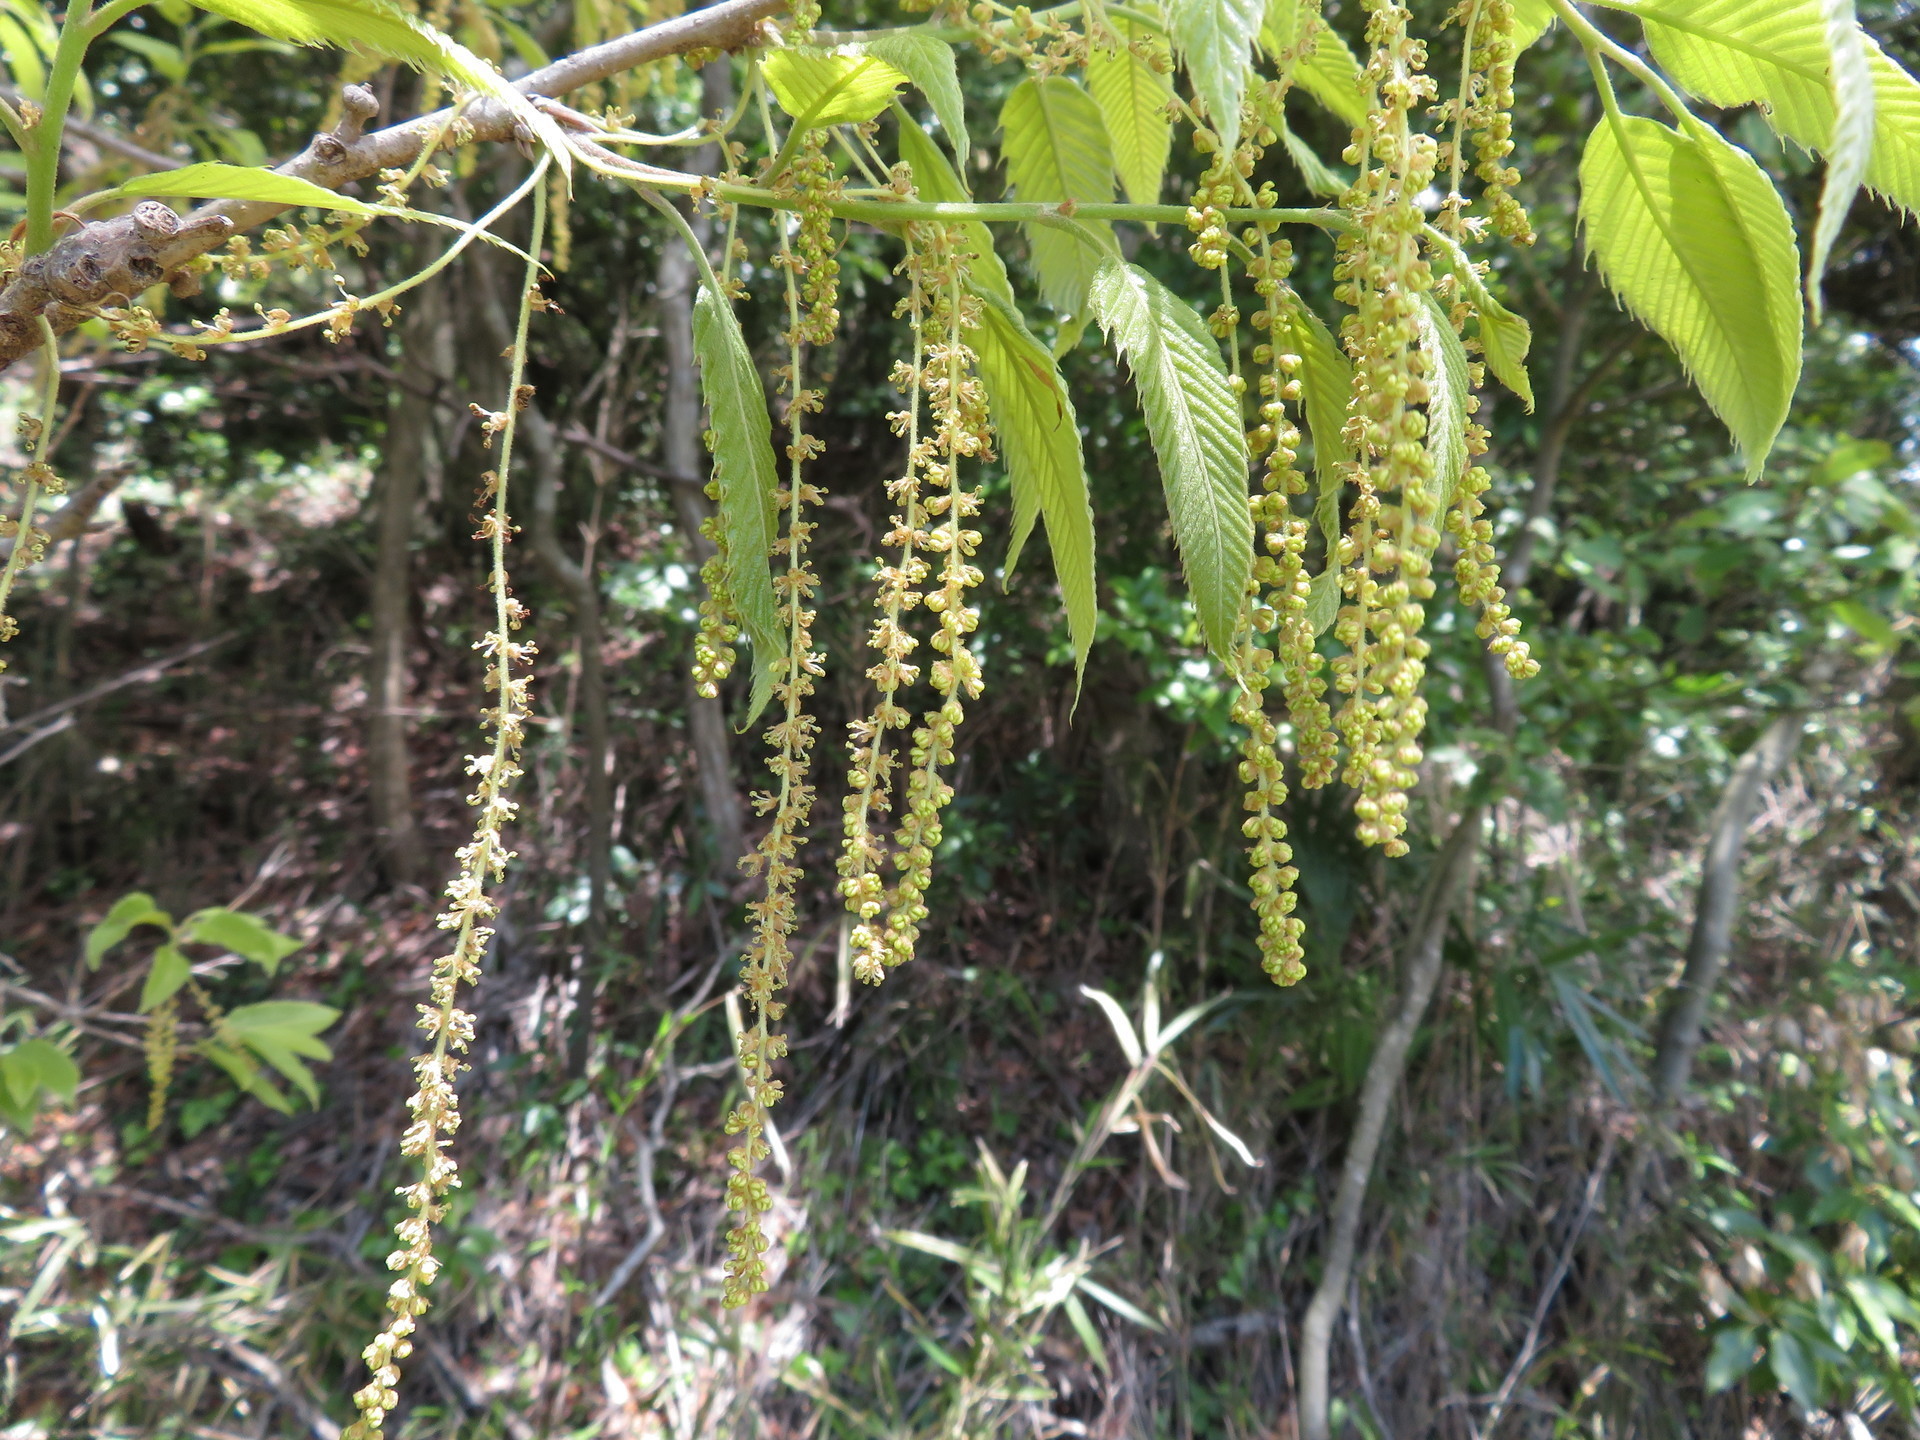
(161, 1043)
(1282, 569)
(811, 285)
(870, 778)
(957, 402)
(1477, 573)
(1394, 514)
(1489, 111)
(434, 1107)
(714, 655)
(1275, 441)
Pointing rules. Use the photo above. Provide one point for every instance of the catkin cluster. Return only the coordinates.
(957, 402)
(870, 776)
(1386, 555)
(806, 256)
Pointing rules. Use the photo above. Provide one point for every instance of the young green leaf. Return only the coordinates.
(1326, 69)
(825, 87)
(1039, 439)
(1798, 60)
(1326, 382)
(1322, 179)
(1505, 338)
(1055, 148)
(1449, 383)
(1851, 80)
(280, 1032)
(1694, 238)
(744, 470)
(169, 971)
(936, 180)
(38, 1064)
(1132, 96)
(387, 29)
(128, 911)
(928, 63)
(241, 933)
(1215, 40)
(1530, 21)
(1193, 418)
(208, 181)
(244, 1071)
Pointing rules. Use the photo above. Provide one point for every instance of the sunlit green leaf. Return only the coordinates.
(822, 87)
(241, 933)
(282, 1031)
(1214, 39)
(1039, 439)
(1193, 419)
(169, 971)
(1132, 96)
(127, 912)
(928, 63)
(1693, 237)
(208, 181)
(385, 28)
(1055, 148)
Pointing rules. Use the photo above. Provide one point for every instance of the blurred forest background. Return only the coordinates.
(249, 683)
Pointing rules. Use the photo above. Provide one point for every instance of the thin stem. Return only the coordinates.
(1455, 201)
(18, 556)
(1005, 212)
(1594, 41)
(43, 155)
(307, 322)
(104, 19)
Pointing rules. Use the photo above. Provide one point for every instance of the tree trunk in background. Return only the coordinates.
(1451, 869)
(706, 719)
(1713, 915)
(411, 449)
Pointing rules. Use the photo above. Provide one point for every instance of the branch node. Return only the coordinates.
(358, 105)
(155, 220)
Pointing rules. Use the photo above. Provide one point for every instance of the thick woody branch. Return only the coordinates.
(121, 258)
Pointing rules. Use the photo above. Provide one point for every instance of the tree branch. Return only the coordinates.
(128, 255)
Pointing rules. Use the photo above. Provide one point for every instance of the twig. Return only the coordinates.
(120, 257)
(45, 732)
(139, 675)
